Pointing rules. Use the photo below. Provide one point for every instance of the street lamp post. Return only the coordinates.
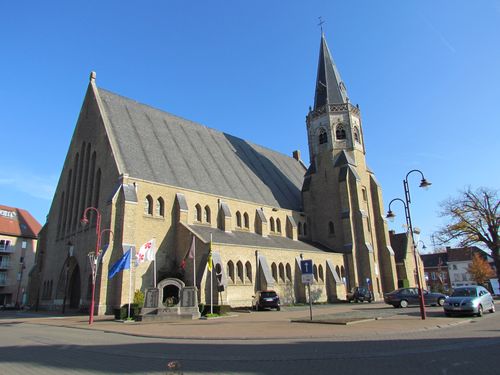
(390, 215)
(68, 256)
(94, 256)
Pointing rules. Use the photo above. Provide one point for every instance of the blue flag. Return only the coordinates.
(122, 264)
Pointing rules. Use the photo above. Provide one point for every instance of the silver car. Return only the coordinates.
(472, 299)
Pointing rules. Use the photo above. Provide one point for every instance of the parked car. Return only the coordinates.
(359, 294)
(469, 300)
(404, 297)
(266, 299)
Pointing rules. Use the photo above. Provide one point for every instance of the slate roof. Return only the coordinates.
(463, 254)
(433, 260)
(160, 147)
(18, 222)
(244, 238)
(329, 86)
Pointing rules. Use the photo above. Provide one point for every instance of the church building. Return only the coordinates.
(153, 175)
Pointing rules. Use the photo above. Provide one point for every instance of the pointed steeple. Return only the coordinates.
(329, 86)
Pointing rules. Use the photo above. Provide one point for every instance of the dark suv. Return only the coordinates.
(360, 294)
(266, 298)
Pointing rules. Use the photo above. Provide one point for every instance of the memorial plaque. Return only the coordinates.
(188, 297)
(152, 298)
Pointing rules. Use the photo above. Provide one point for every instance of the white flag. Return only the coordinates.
(147, 252)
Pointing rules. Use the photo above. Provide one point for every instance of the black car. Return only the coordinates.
(360, 294)
(266, 299)
(404, 297)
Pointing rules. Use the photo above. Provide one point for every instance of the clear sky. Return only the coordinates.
(425, 73)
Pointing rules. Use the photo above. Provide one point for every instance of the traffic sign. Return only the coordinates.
(307, 278)
(306, 266)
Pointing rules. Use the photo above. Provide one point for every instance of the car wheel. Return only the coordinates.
(370, 300)
(403, 303)
(278, 308)
(492, 310)
(441, 301)
(480, 311)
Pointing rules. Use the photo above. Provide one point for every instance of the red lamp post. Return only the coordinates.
(390, 215)
(94, 256)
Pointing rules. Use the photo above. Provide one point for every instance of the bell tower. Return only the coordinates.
(342, 199)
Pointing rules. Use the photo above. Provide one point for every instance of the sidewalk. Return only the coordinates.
(332, 322)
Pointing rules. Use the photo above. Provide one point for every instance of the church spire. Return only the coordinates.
(329, 86)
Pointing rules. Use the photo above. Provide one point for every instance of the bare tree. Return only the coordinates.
(474, 219)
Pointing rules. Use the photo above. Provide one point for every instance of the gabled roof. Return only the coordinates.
(464, 254)
(18, 222)
(160, 147)
(329, 86)
(435, 260)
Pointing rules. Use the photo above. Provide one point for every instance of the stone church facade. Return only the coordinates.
(155, 175)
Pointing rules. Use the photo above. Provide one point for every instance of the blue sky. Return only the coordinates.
(426, 75)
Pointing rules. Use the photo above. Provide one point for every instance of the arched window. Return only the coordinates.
(331, 228)
(197, 214)
(207, 214)
(239, 271)
(278, 225)
(337, 269)
(356, 135)
(274, 271)
(271, 224)
(320, 272)
(288, 272)
(230, 271)
(248, 271)
(246, 221)
(238, 219)
(160, 207)
(300, 229)
(323, 137)
(148, 205)
(97, 188)
(305, 229)
(342, 274)
(315, 272)
(340, 132)
(282, 272)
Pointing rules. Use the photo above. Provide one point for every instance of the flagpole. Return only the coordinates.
(129, 284)
(154, 262)
(211, 279)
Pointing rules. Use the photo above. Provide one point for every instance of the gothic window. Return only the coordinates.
(320, 272)
(246, 221)
(148, 205)
(365, 197)
(305, 229)
(288, 272)
(323, 137)
(274, 270)
(230, 271)
(282, 272)
(356, 135)
(278, 225)
(271, 224)
(331, 228)
(160, 207)
(340, 132)
(248, 271)
(207, 214)
(239, 270)
(238, 219)
(315, 272)
(300, 229)
(97, 188)
(337, 269)
(197, 213)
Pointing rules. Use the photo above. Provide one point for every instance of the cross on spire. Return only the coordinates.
(321, 22)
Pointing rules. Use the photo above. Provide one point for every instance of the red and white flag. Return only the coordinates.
(189, 254)
(147, 252)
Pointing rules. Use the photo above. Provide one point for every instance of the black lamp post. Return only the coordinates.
(390, 215)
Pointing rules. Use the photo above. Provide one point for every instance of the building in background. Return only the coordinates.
(18, 240)
(436, 272)
(152, 174)
(459, 259)
(405, 260)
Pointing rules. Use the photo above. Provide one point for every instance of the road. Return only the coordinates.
(472, 347)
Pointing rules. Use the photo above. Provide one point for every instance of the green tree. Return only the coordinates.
(480, 270)
(473, 219)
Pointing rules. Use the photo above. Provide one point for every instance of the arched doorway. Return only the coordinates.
(74, 289)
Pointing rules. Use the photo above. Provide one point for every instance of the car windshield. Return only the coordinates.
(268, 294)
(465, 292)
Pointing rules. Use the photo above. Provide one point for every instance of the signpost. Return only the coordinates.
(306, 267)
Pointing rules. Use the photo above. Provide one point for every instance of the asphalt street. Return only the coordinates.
(31, 347)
